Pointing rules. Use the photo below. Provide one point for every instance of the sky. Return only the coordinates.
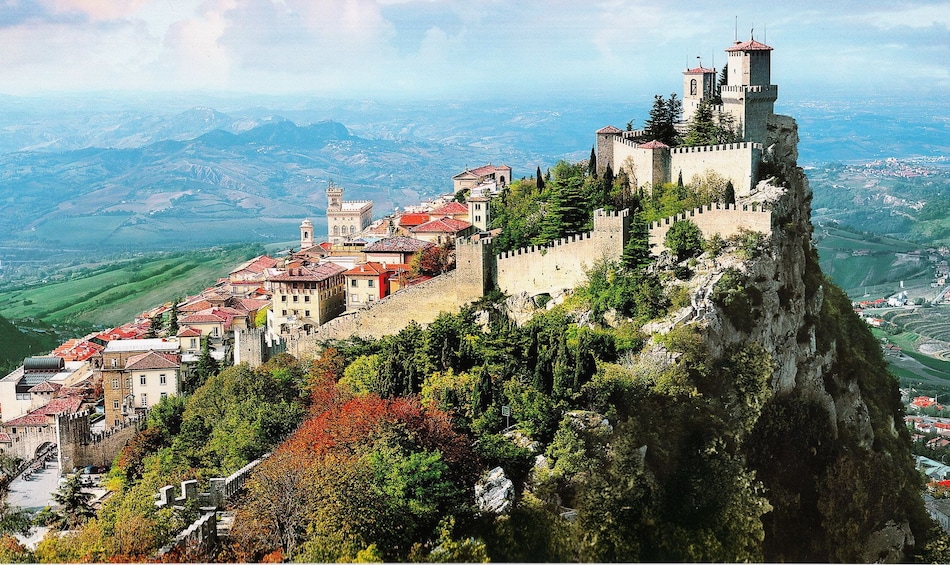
(430, 49)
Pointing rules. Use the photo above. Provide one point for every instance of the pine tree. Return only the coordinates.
(636, 254)
(173, 319)
(206, 367)
(663, 117)
(679, 179)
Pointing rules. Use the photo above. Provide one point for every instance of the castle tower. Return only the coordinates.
(605, 148)
(346, 219)
(698, 83)
(306, 234)
(748, 96)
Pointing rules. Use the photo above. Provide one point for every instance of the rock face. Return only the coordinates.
(789, 319)
(494, 492)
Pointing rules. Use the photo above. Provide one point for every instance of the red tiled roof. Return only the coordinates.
(442, 225)
(698, 71)
(196, 306)
(77, 350)
(371, 268)
(453, 208)
(68, 405)
(413, 219)
(609, 129)
(152, 360)
(751, 45)
(317, 273)
(655, 144)
(399, 244)
(256, 265)
(5, 438)
(188, 331)
(45, 386)
(202, 319)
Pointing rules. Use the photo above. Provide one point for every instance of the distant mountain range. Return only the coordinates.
(104, 174)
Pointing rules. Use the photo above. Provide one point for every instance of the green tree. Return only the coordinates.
(173, 318)
(206, 367)
(74, 504)
(684, 240)
(539, 179)
(730, 194)
(592, 164)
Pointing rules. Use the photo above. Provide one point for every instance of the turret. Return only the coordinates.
(748, 96)
(306, 234)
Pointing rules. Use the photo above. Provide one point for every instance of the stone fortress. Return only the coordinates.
(562, 265)
(748, 97)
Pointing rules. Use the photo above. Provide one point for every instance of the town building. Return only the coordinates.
(366, 283)
(34, 383)
(397, 249)
(119, 391)
(443, 230)
(345, 219)
(469, 178)
(305, 297)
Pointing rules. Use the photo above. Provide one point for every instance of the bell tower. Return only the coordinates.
(306, 234)
(748, 94)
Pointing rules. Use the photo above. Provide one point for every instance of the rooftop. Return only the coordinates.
(442, 225)
(751, 45)
(399, 244)
(312, 273)
(152, 360)
(127, 345)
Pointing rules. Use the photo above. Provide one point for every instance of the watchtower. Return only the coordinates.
(334, 197)
(748, 94)
(698, 83)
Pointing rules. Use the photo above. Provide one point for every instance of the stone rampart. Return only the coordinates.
(738, 162)
(724, 219)
(419, 303)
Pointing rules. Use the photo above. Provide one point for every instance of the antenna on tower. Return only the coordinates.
(765, 33)
(737, 29)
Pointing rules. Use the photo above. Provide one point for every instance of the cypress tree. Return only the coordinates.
(540, 182)
(592, 164)
(730, 194)
(173, 319)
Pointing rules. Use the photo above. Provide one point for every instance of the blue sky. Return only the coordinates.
(461, 48)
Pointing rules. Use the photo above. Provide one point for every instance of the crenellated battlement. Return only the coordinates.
(723, 219)
(576, 238)
(711, 148)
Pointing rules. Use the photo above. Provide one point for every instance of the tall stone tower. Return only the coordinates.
(306, 234)
(334, 198)
(698, 83)
(748, 94)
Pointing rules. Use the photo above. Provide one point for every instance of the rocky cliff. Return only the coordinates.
(827, 442)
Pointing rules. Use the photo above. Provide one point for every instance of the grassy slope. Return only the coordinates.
(116, 293)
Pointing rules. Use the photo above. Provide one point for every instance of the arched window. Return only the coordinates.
(352, 229)
(692, 87)
(336, 230)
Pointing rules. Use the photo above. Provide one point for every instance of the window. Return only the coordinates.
(692, 87)
(144, 400)
(306, 298)
(354, 298)
(22, 396)
(283, 298)
(142, 380)
(128, 382)
(115, 384)
(306, 313)
(283, 312)
(478, 218)
(164, 395)
(115, 362)
(215, 331)
(296, 298)
(194, 342)
(115, 404)
(478, 206)
(162, 379)
(353, 283)
(371, 283)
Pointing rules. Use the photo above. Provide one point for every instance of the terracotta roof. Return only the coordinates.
(482, 171)
(46, 386)
(5, 438)
(453, 208)
(196, 306)
(655, 144)
(398, 243)
(202, 319)
(442, 225)
(751, 45)
(698, 71)
(414, 219)
(609, 129)
(152, 360)
(188, 331)
(371, 268)
(317, 273)
(256, 265)
(68, 405)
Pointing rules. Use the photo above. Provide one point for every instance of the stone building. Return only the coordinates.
(345, 219)
(117, 376)
(305, 297)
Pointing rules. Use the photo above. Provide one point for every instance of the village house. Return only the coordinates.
(155, 376)
(37, 381)
(117, 379)
(397, 249)
(305, 297)
(469, 178)
(366, 283)
(442, 230)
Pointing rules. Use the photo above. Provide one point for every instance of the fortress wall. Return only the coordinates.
(726, 220)
(738, 162)
(420, 303)
(642, 160)
(562, 264)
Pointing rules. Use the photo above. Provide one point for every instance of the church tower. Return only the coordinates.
(334, 197)
(748, 94)
(306, 234)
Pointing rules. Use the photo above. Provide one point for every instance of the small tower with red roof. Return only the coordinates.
(698, 83)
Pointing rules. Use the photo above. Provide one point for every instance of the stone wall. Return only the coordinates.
(724, 219)
(562, 264)
(738, 162)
